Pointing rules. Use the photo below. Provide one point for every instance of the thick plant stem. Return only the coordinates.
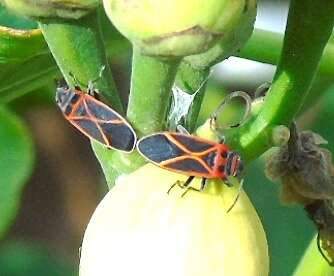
(115, 163)
(312, 263)
(309, 27)
(151, 85)
(78, 49)
(271, 47)
(190, 80)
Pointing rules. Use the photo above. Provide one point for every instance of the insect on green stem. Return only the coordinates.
(151, 83)
(78, 48)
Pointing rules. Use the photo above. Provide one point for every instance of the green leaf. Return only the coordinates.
(30, 75)
(16, 163)
(23, 259)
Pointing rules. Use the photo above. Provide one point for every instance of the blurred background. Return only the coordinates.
(58, 182)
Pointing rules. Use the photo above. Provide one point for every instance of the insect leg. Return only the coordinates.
(203, 184)
(187, 187)
(76, 80)
(188, 181)
(90, 88)
(184, 185)
(222, 139)
(227, 182)
(237, 197)
(182, 129)
(171, 187)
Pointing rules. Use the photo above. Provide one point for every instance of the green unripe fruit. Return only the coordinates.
(72, 9)
(231, 42)
(174, 28)
(139, 229)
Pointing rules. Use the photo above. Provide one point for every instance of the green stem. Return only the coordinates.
(190, 80)
(78, 49)
(271, 47)
(309, 27)
(312, 263)
(151, 84)
(116, 163)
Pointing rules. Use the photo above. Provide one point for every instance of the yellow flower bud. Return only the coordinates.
(139, 229)
(172, 27)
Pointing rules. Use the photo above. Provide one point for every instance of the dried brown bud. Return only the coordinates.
(304, 168)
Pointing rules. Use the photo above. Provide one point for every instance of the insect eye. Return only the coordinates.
(60, 96)
(234, 165)
(221, 168)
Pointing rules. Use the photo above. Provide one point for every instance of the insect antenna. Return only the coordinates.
(182, 129)
(90, 87)
(237, 197)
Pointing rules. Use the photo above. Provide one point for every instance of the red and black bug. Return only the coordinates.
(191, 155)
(194, 156)
(95, 119)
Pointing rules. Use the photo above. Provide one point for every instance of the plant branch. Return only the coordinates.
(309, 27)
(78, 48)
(151, 84)
(271, 47)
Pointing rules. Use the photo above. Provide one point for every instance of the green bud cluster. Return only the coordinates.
(176, 28)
